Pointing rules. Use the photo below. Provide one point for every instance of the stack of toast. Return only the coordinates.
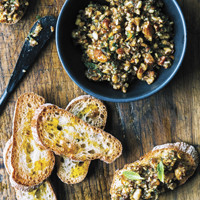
(75, 135)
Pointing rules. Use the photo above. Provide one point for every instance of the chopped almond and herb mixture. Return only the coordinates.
(147, 180)
(12, 10)
(125, 41)
(32, 35)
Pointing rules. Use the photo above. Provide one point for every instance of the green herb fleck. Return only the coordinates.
(38, 17)
(104, 50)
(111, 38)
(115, 45)
(132, 175)
(90, 65)
(128, 34)
(160, 170)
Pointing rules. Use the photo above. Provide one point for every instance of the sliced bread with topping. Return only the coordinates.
(30, 163)
(164, 168)
(94, 112)
(65, 134)
(44, 191)
(12, 11)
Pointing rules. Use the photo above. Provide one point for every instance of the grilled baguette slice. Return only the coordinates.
(90, 110)
(31, 164)
(65, 134)
(44, 191)
(71, 171)
(180, 161)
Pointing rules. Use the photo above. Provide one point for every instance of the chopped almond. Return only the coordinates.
(148, 59)
(148, 31)
(98, 54)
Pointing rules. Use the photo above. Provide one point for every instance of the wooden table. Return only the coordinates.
(171, 115)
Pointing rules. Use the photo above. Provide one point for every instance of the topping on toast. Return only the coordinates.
(164, 168)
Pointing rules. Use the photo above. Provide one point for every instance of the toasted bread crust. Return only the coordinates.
(49, 111)
(190, 155)
(7, 156)
(21, 178)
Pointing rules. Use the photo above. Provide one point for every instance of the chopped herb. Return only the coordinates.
(128, 34)
(160, 170)
(104, 50)
(132, 175)
(107, 48)
(38, 17)
(111, 38)
(90, 65)
(115, 45)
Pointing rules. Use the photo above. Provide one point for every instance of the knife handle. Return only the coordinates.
(3, 100)
(14, 80)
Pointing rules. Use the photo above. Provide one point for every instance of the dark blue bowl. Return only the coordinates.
(70, 55)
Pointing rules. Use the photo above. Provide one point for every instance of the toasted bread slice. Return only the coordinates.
(44, 191)
(31, 164)
(90, 110)
(65, 134)
(12, 11)
(71, 171)
(164, 168)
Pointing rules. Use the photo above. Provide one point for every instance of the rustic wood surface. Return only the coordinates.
(171, 115)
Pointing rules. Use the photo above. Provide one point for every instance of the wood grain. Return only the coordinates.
(170, 115)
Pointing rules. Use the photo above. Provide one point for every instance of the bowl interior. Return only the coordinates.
(70, 55)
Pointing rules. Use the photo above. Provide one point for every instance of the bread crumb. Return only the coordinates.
(37, 30)
(33, 42)
(52, 29)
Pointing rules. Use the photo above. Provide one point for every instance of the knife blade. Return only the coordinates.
(28, 55)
